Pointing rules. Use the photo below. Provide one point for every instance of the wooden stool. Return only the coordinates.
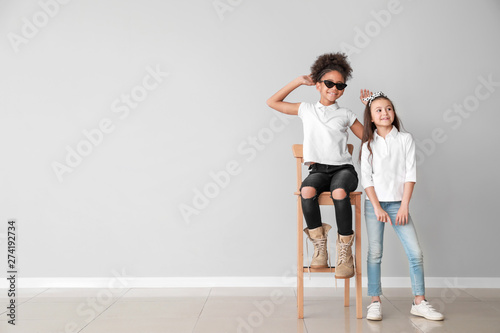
(324, 199)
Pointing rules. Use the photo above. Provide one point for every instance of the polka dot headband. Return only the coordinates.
(369, 99)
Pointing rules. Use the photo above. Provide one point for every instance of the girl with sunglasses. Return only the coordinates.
(388, 175)
(325, 126)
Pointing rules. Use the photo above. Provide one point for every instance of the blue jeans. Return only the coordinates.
(408, 237)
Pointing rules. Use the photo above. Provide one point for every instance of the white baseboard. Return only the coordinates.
(240, 281)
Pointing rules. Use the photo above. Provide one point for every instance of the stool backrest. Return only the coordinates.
(298, 153)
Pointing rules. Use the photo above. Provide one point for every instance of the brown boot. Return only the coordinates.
(318, 237)
(344, 268)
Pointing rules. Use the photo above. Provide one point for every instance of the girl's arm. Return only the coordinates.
(357, 129)
(402, 216)
(410, 179)
(381, 214)
(276, 100)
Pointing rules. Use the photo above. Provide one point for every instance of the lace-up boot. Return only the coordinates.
(318, 237)
(344, 267)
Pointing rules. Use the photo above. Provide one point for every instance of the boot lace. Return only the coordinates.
(342, 256)
(320, 245)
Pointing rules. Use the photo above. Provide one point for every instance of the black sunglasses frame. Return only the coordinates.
(330, 84)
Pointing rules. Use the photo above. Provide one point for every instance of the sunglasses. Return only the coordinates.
(330, 84)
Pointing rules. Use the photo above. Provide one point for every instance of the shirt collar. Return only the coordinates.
(392, 134)
(325, 108)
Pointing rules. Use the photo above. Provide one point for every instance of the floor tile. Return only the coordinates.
(329, 325)
(472, 325)
(245, 310)
(42, 326)
(3, 307)
(254, 323)
(327, 293)
(156, 294)
(217, 307)
(335, 309)
(250, 292)
(457, 310)
(484, 294)
(494, 304)
(433, 326)
(133, 325)
(328, 310)
(457, 326)
(470, 311)
(22, 294)
(76, 295)
(161, 309)
(74, 312)
(447, 294)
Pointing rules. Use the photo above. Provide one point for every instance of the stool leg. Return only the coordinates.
(347, 287)
(300, 261)
(359, 302)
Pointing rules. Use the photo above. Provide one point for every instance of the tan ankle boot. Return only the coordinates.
(344, 268)
(318, 237)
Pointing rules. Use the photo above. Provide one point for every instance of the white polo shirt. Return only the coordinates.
(393, 164)
(325, 133)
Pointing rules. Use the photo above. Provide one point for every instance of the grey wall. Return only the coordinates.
(120, 206)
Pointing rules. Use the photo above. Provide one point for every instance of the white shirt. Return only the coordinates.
(393, 164)
(325, 133)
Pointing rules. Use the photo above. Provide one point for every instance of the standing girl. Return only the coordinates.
(325, 151)
(388, 175)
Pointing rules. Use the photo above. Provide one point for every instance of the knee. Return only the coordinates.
(308, 192)
(374, 253)
(374, 256)
(339, 194)
(416, 258)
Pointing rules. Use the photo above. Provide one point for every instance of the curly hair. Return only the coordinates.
(331, 62)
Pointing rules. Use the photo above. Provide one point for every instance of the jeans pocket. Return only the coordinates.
(313, 168)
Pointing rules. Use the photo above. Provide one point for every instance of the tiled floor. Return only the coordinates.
(241, 310)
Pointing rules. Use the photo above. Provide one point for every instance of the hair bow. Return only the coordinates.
(370, 98)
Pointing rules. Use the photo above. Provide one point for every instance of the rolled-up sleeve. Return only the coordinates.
(366, 167)
(411, 162)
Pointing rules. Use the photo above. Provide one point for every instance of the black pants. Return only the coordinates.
(329, 178)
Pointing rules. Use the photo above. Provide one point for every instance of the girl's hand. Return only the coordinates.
(364, 93)
(402, 216)
(306, 80)
(382, 215)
